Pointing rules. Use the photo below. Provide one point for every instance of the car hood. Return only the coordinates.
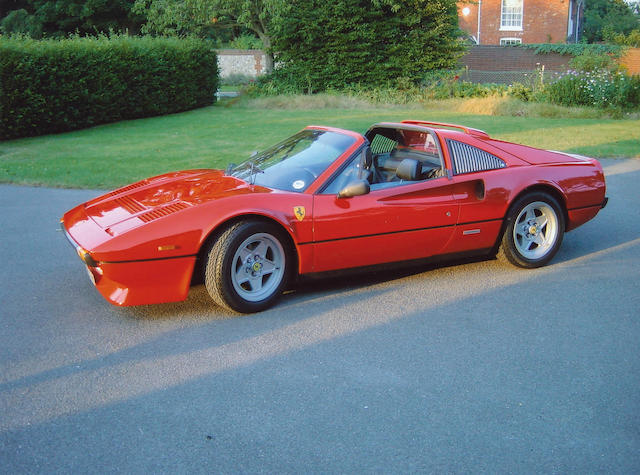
(157, 197)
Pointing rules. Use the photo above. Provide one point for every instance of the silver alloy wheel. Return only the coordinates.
(257, 267)
(535, 230)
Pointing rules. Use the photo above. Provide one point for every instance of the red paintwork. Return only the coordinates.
(145, 237)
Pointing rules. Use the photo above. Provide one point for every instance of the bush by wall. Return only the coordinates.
(59, 85)
(603, 89)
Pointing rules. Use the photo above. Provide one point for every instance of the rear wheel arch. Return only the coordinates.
(550, 190)
(533, 228)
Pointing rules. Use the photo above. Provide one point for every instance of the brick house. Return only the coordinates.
(504, 22)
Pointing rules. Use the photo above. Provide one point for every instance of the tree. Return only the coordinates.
(55, 18)
(323, 44)
(613, 16)
(184, 17)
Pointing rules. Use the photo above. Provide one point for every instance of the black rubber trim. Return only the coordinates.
(148, 260)
(462, 257)
(398, 232)
(597, 205)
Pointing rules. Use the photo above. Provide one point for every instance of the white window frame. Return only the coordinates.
(510, 41)
(510, 27)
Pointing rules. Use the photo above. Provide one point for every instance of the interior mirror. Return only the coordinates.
(355, 188)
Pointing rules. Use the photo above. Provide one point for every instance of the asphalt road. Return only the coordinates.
(478, 367)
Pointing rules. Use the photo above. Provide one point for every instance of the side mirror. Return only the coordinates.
(355, 188)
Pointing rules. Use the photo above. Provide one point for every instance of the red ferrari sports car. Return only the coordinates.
(327, 199)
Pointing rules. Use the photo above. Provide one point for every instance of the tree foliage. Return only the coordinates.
(59, 18)
(602, 16)
(332, 43)
(199, 17)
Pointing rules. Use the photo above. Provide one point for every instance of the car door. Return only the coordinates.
(393, 222)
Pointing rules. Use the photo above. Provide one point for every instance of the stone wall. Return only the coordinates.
(241, 62)
(479, 58)
(509, 65)
(509, 58)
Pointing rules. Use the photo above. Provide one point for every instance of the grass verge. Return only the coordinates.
(115, 154)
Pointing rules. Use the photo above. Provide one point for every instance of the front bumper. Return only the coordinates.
(138, 282)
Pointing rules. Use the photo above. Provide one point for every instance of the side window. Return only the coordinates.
(468, 159)
(351, 172)
(399, 151)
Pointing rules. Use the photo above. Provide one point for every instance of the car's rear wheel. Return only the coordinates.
(534, 230)
(247, 266)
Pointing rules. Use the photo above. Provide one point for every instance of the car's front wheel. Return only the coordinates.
(247, 266)
(534, 230)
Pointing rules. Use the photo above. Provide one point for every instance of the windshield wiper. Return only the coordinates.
(229, 169)
(253, 171)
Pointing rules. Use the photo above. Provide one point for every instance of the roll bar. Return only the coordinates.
(466, 130)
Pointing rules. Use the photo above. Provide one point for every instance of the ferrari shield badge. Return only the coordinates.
(299, 211)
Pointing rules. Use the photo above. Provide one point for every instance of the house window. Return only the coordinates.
(511, 18)
(510, 41)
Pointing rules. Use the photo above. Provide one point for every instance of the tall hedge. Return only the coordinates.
(322, 44)
(49, 86)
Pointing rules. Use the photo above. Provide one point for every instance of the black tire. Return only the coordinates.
(534, 228)
(253, 251)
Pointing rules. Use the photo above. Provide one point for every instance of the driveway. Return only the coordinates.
(477, 367)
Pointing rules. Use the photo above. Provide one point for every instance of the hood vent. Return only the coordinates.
(127, 188)
(162, 211)
(131, 205)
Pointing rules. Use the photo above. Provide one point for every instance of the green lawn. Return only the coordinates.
(111, 155)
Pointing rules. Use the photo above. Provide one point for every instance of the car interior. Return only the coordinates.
(396, 155)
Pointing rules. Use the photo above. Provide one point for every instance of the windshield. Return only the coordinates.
(292, 165)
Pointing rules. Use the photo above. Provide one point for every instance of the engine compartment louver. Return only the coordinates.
(162, 211)
(131, 205)
(468, 159)
(126, 188)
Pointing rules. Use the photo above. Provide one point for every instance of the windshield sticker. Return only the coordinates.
(299, 211)
(298, 184)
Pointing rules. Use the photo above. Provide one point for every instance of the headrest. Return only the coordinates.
(409, 169)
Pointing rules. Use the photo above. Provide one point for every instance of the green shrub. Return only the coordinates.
(573, 49)
(589, 62)
(632, 39)
(522, 92)
(245, 41)
(324, 45)
(604, 89)
(58, 85)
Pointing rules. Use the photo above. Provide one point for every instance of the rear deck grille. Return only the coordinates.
(131, 205)
(126, 188)
(163, 211)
